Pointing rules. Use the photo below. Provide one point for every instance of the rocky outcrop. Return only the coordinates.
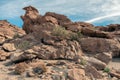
(63, 50)
(99, 45)
(31, 17)
(8, 31)
(55, 48)
(60, 18)
(95, 33)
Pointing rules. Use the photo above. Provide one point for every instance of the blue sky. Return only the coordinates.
(98, 12)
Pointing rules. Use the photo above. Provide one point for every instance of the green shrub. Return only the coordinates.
(80, 35)
(107, 70)
(83, 62)
(16, 35)
(63, 33)
(76, 36)
(23, 45)
(60, 31)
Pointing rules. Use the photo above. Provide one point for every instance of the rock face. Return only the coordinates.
(96, 45)
(31, 16)
(104, 57)
(8, 31)
(68, 50)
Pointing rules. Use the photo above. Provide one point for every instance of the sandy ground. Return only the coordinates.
(7, 72)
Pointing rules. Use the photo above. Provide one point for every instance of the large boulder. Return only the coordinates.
(105, 57)
(63, 50)
(99, 65)
(99, 45)
(95, 33)
(60, 18)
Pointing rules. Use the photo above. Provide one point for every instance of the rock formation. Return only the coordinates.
(55, 48)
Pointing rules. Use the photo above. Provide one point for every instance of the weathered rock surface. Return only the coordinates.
(8, 31)
(99, 45)
(99, 65)
(66, 50)
(92, 71)
(104, 57)
(95, 33)
(3, 55)
(76, 74)
(114, 73)
(9, 47)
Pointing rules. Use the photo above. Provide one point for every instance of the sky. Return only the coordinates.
(97, 12)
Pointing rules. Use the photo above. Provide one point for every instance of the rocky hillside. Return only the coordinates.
(55, 48)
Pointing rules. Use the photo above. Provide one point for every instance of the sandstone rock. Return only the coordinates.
(84, 24)
(113, 27)
(92, 71)
(8, 31)
(95, 33)
(3, 55)
(2, 39)
(31, 16)
(104, 57)
(99, 45)
(75, 27)
(60, 18)
(23, 57)
(76, 74)
(99, 65)
(49, 19)
(66, 50)
(114, 73)
(9, 47)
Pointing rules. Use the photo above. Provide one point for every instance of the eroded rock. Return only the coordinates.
(9, 47)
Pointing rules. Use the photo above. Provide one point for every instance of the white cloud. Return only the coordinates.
(89, 9)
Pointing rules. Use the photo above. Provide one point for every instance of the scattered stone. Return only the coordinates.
(76, 74)
(9, 47)
(114, 73)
